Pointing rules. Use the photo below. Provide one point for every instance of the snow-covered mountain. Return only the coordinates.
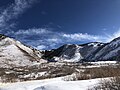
(86, 52)
(110, 51)
(15, 54)
(73, 52)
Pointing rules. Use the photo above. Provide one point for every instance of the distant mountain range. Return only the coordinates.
(15, 54)
(94, 51)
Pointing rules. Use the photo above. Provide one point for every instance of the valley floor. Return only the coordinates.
(84, 79)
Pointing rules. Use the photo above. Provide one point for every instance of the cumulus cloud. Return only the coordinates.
(10, 13)
(43, 38)
(80, 36)
(33, 31)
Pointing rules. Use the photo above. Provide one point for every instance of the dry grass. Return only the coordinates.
(52, 71)
(99, 72)
(19, 73)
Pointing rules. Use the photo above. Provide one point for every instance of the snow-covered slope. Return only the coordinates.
(15, 54)
(73, 52)
(70, 53)
(110, 51)
(91, 51)
(52, 84)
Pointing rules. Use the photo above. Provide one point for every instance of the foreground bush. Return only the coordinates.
(112, 84)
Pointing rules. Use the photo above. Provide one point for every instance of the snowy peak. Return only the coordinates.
(94, 44)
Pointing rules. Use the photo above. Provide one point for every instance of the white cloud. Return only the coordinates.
(81, 36)
(44, 38)
(12, 12)
(54, 40)
(51, 39)
(41, 47)
(32, 31)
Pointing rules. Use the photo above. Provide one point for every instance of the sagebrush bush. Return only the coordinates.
(111, 84)
(98, 72)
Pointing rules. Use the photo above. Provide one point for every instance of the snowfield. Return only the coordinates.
(51, 84)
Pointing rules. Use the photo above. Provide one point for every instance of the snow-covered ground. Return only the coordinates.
(51, 84)
(104, 63)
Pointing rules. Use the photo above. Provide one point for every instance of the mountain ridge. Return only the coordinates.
(13, 52)
(93, 51)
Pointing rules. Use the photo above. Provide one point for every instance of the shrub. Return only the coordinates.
(98, 72)
(112, 84)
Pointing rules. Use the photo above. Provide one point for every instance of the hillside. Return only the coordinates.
(15, 54)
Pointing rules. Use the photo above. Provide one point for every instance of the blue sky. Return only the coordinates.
(47, 24)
